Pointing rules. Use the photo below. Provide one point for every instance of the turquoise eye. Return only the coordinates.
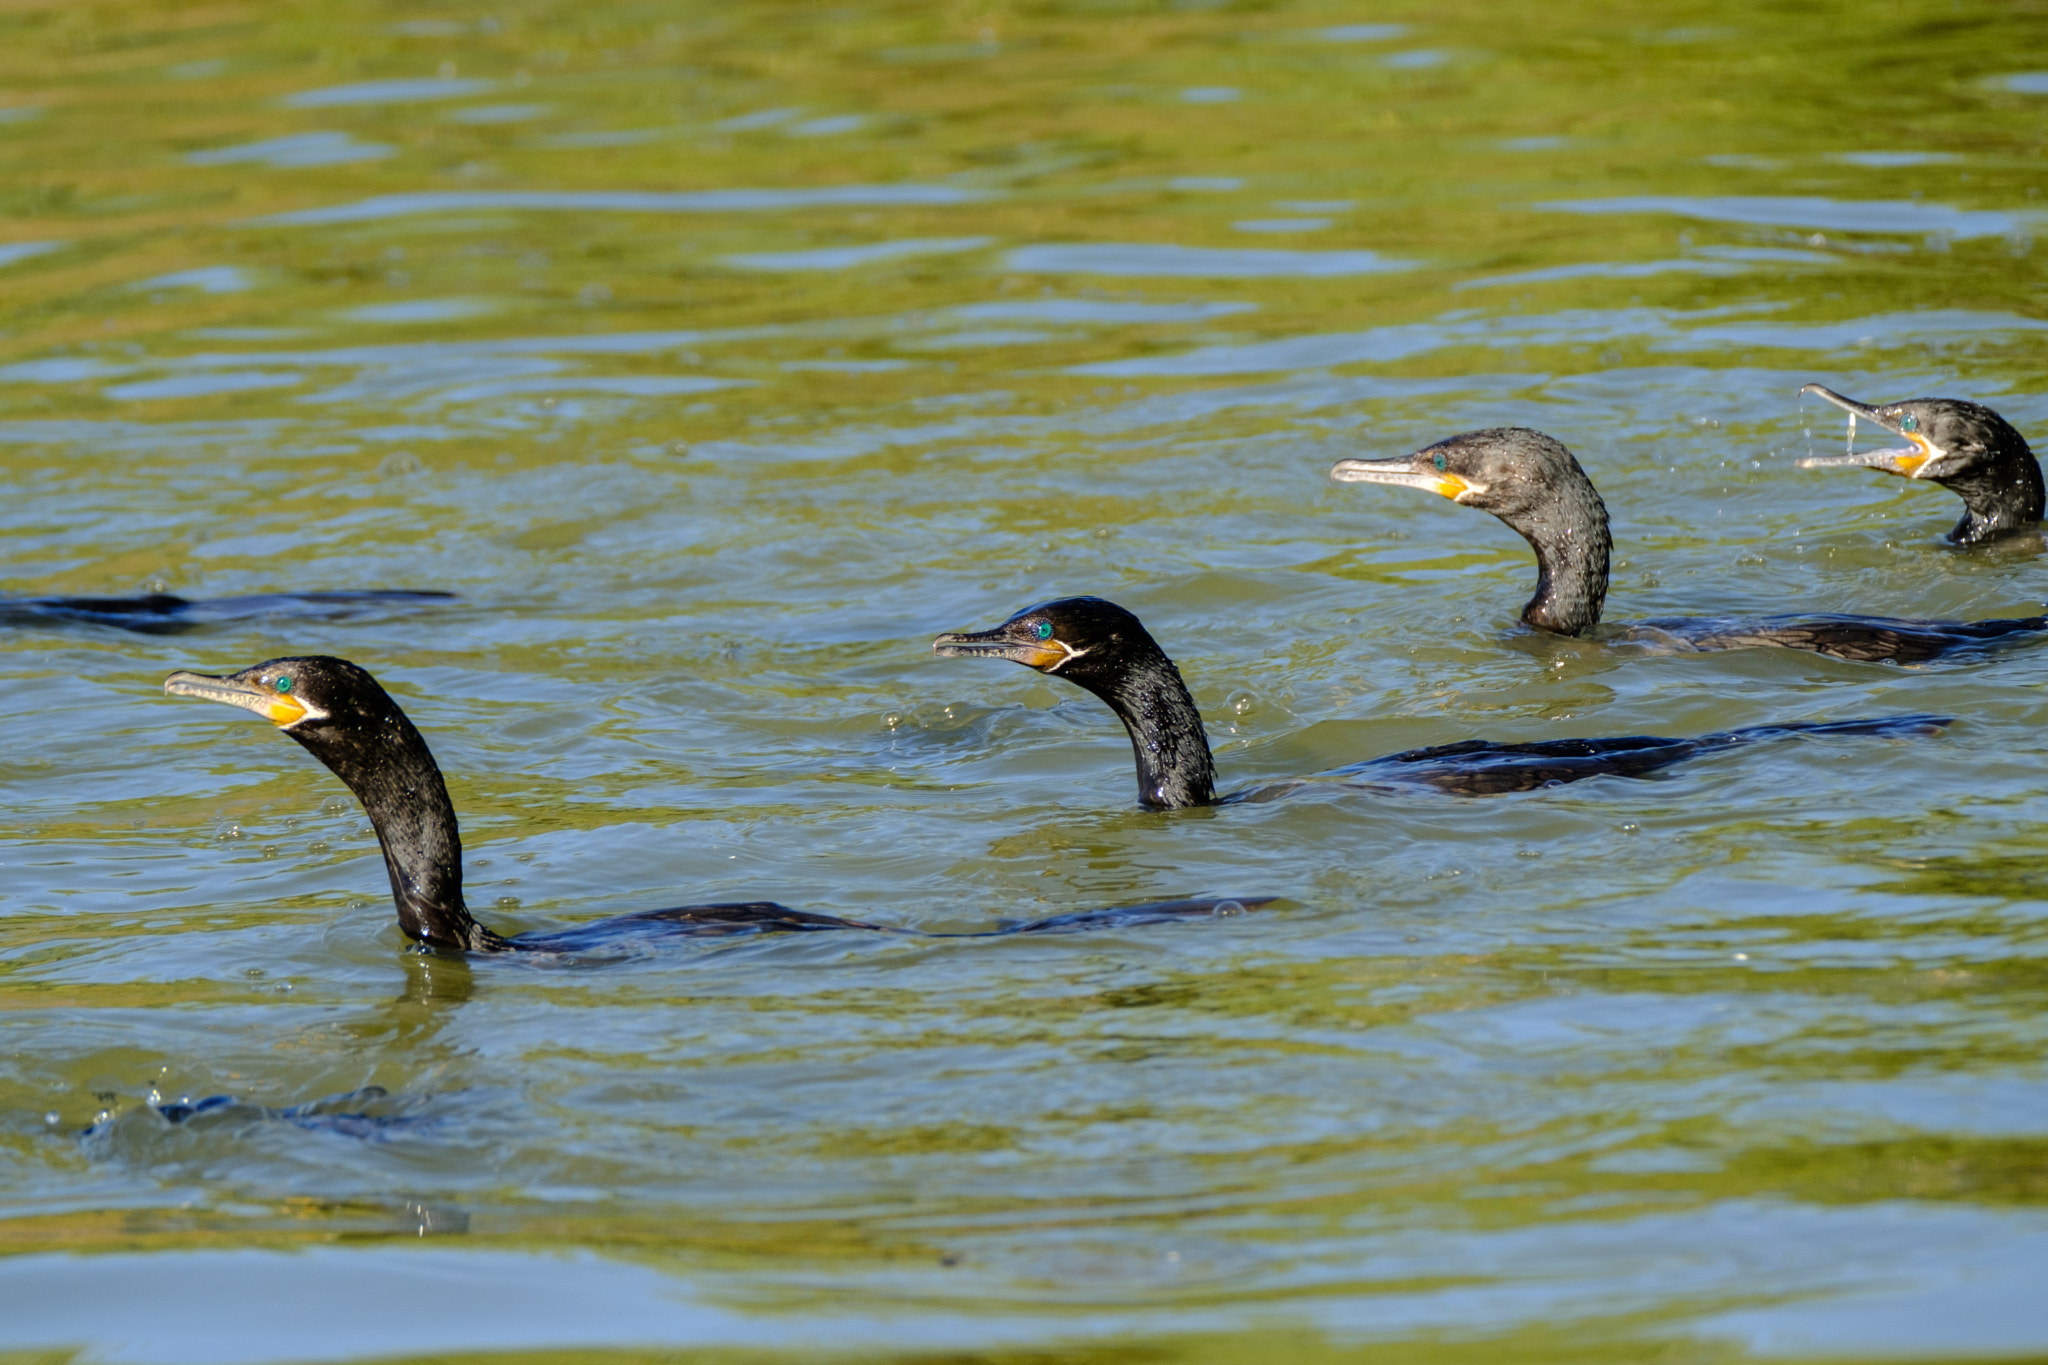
(1043, 630)
(281, 683)
(1440, 462)
(1909, 423)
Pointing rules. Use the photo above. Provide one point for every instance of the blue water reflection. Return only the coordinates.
(1836, 215)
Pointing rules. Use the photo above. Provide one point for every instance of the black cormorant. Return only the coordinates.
(1099, 646)
(1531, 482)
(1965, 447)
(344, 718)
(159, 613)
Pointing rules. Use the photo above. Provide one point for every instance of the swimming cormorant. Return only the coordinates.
(1531, 482)
(1099, 646)
(344, 718)
(1965, 447)
(159, 613)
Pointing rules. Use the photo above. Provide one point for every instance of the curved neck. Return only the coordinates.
(1572, 546)
(1172, 752)
(2005, 498)
(388, 766)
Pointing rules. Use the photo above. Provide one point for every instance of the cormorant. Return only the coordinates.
(345, 1114)
(1531, 482)
(344, 718)
(1965, 447)
(159, 613)
(1099, 646)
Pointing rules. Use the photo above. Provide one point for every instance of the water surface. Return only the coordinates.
(718, 357)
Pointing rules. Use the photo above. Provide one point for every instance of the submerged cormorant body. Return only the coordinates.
(1098, 646)
(1535, 485)
(344, 718)
(347, 1114)
(1965, 447)
(159, 613)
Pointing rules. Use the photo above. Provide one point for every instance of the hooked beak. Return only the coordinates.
(1905, 461)
(1410, 471)
(236, 690)
(1007, 641)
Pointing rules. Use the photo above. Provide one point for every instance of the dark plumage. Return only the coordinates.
(1099, 646)
(1965, 447)
(163, 614)
(344, 718)
(1535, 485)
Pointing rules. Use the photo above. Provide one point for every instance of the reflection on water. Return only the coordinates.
(716, 359)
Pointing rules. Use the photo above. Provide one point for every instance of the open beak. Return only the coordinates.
(238, 690)
(1010, 640)
(1410, 471)
(1905, 461)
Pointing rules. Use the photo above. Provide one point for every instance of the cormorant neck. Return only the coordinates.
(1147, 694)
(387, 764)
(1572, 544)
(2003, 498)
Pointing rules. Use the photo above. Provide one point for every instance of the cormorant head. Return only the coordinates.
(1102, 648)
(1081, 639)
(1947, 439)
(310, 698)
(1513, 472)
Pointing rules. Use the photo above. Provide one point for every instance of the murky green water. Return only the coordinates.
(718, 357)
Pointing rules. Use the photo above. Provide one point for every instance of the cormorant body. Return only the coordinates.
(160, 613)
(344, 1114)
(344, 717)
(1099, 646)
(1965, 447)
(1536, 486)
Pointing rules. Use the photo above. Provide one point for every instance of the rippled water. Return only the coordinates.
(720, 356)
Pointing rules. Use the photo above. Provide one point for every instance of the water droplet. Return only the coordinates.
(52, 1119)
(398, 464)
(156, 1096)
(1225, 909)
(1243, 703)
(506, 902)
(1742, 957)
(892, 720)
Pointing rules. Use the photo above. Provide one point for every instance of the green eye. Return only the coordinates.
(281, 683)
(1440, 462)
(1043, 630)
(1909, 423)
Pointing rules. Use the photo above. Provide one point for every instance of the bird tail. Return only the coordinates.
(1915, 726)
(1133, 916)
